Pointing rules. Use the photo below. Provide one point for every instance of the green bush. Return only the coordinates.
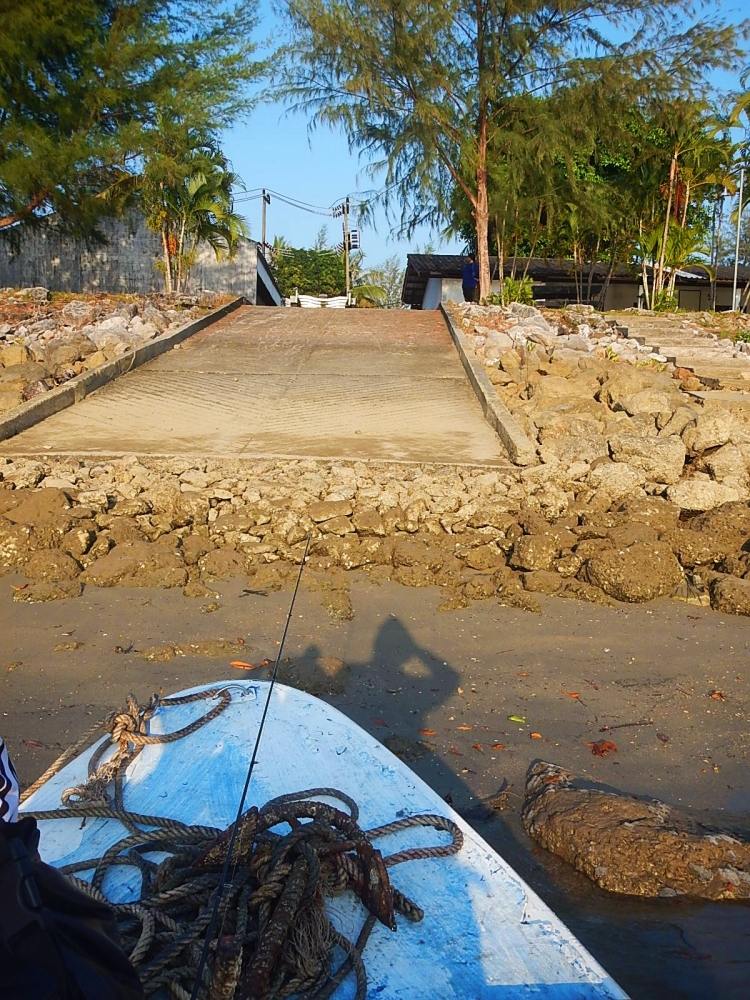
(514, 290)
(744, 336)
(664, 302)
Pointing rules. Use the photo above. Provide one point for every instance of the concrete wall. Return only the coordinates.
(125, 262)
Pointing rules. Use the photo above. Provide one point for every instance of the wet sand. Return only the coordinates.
(400, 666)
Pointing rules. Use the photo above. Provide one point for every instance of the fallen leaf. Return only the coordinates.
(464, 729)
(455, 751)
(265, 662)
(241, 665)
(497, 746)
(663, 737)
(477, 746)
(601, 748)
(33, 743)
(517, 718)
(574, 695)
(19, 586)
(459, 690)
(427, 732)
(717, 695)
(522, 673)
(553, 779)
(535, 736)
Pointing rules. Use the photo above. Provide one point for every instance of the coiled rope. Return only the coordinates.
(274, 938)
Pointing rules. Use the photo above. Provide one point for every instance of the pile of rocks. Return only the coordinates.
(609, 429)
(46, 340)
(472, 532)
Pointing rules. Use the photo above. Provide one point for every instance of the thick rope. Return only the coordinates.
(274, 938)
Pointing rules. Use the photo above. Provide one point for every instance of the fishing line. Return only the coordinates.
(235, 829)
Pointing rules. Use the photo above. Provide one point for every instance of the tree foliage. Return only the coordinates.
(426, 90)
(185, 192)
(641, 190)
(83, 87)
(309, 272)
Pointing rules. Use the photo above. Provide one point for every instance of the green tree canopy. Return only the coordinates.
(423, 89)
(309, 272)
(82, 87)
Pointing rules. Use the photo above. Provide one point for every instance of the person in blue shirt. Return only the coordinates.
(470, 279)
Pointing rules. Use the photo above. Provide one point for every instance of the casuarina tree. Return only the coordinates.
(421, 88)
(83, 84)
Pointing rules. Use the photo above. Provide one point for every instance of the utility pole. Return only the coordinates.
(347, 247)
(265, 200)
(735, 303)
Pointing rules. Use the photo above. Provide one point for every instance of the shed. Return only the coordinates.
(434, 278)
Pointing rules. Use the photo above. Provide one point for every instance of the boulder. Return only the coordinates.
(368, 522)
(19, 376)
(730, 595)
(14, 543)
(641, 572)
(710, 430)
(485, 557)
(328, 509)
(52, 565)
(630, 845)
(68, 352)
(660, 460)
(701, 494)
(42, 508)
(221, 564)
(138, 564)
(541, 581)
(110, 332)
(14, 354)
(10, 398)
(538, 551)
(726, 462)
(79, 312)
(615, 480)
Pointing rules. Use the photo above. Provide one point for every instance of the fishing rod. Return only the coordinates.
(236, 826)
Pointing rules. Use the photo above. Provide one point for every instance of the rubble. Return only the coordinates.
(47, 339)
(469, 532)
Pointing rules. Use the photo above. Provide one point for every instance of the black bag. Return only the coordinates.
(56, 942)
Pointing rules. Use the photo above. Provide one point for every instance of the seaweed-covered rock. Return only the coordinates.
(631, 846)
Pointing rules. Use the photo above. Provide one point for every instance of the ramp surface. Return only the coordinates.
(371, 384)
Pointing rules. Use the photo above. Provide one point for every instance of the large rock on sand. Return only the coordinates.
(641, 572)
(730, 595)
(138, 564)
(631, 846)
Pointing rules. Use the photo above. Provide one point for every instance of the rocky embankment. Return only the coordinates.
(504, 535)
(47, 339)
(608, 418)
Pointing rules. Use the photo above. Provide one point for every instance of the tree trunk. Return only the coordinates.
(500, 243)
(659, 276)
(481, 211)
(644, 280)
(167, 262)
(180, 256)
(608, 279)
(683, 220)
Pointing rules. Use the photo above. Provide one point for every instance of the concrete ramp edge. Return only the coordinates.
(63, 396)
(520, 448)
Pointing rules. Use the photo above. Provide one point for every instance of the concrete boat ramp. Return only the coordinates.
(369, 384)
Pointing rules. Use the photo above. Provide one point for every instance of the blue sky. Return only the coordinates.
(274, 149)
